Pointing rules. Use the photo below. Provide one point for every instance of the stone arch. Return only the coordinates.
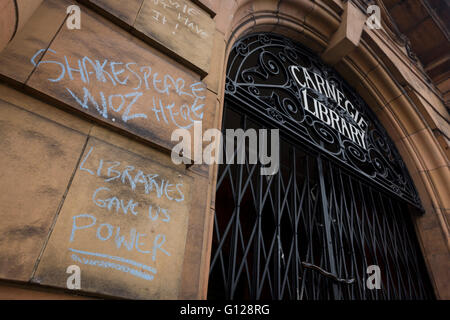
(390, 92)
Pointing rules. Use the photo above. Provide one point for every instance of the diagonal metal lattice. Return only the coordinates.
(310, 231)
(270, 239)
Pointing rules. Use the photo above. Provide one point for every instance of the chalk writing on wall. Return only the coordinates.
(184, 13)
(131, 91)
(180, 26)
(124, 218)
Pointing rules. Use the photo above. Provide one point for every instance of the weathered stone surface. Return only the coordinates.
(180, 26)
(193, 268)
(211, 5)
(25, 9)
(36, 34)
(224, 17)
(126, 11)
(40, 108)
(37, 159)
(124, 223)
(214, 79)
(348, 35)
(105, 72)
(7, 22)
(192, 273)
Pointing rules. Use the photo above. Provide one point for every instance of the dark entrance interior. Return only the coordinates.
(310, 231)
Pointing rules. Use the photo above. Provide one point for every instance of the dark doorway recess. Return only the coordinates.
(310, 231)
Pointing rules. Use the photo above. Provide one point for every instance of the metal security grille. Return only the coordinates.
(308, 232)
(260, 79)
(333, 209)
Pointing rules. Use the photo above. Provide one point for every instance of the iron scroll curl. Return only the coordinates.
(260, 79)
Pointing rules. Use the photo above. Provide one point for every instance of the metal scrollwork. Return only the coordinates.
(259, 79)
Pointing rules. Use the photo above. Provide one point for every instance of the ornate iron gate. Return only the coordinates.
(336, 206)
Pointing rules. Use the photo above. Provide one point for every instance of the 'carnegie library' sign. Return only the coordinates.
(289, 87)
(313, 81)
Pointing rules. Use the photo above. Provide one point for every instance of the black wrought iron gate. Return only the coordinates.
(312, 230)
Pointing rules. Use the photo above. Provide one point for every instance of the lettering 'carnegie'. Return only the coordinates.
(317, 83)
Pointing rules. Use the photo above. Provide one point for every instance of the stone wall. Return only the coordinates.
(86, 119)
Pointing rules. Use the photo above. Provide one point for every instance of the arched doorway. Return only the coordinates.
(340, 202)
